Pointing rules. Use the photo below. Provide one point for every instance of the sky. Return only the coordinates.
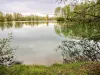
(40, 7)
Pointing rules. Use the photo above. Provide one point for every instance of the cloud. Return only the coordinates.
(26, 6)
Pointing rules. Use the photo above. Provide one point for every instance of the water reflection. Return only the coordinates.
(7, 25)
(78, 30)
(35, 42)
(86, 43)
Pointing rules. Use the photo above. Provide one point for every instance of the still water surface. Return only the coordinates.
(35, 41)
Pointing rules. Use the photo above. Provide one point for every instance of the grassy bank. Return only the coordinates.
(79, 68)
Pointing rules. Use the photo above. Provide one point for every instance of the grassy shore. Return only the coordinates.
(78, 68)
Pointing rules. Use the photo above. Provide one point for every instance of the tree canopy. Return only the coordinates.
(85, 10)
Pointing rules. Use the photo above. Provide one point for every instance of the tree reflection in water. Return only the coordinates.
(87, 48)
(19, 24)
(78, 30)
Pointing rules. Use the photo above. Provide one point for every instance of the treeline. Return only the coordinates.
(84, 11)
(20, 17)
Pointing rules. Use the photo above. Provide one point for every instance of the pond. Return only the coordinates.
(36, 41)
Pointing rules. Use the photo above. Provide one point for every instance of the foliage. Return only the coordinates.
(9, 17)
(6, 53)
(86, 11)
(20, 17)
(1, 17)
(83, 50)
(60, 19)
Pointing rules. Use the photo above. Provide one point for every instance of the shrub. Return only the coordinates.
(6, 51)
(78, 51)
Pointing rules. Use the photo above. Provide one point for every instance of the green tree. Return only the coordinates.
(9, 17)
(67, 11)
(17, 16)
(58, 12)
(2, 17)
(47, 17)
(87, 11)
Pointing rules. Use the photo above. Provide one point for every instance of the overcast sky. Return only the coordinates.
(28, 6)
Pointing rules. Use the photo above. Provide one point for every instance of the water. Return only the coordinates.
(35, 41)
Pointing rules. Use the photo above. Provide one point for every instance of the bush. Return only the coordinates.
(80, 51)
(6, 51)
